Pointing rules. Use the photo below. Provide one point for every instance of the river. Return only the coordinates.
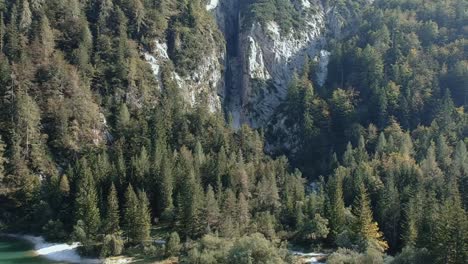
(15, 250)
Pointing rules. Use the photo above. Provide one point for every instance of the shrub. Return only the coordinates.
(112, 245)
(173, 245)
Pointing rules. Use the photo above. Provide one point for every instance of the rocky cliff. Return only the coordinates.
(261, 58)
(206, 80)
(249, 77)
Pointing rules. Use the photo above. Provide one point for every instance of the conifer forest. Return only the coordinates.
(237, 131)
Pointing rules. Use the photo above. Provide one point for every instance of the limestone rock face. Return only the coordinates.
(206, 81)
(263, 57)
(248, 75)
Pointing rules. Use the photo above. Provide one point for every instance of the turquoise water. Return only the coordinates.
(13, 250)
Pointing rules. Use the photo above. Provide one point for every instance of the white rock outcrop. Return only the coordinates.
(206, 81)
(271, 56)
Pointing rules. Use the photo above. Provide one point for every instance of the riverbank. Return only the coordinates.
(311, 258)
(61, 252)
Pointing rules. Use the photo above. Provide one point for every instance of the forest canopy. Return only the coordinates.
(93, 150)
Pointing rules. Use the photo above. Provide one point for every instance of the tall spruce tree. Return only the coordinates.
(211, 212)
(86, 203)
(335, 207)
(3, 161)
(131, 211)
(112, 219)
(365, 226)
(143, 218)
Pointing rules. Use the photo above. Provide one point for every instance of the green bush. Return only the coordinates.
(112, 245)
(280, 11)
(173, 245)
(255, 249)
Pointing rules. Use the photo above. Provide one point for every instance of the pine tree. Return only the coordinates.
(429, 165)
(86, 203)
(112, 222)
(173, 245)
(190, 205)
(221, 170)
(267, 194)
(12, 45)
(47, 38)
(389, 208)
(2, 30)
(361, 152)
(228, 225)
(381, 145)
(37, 4)
(141, 167)
(243, 212)
(64, 186)
(241, 177)
(83, 54)
(348, 156)
(167, 186)
(121, 168)
(123, 119)
(335, 210)
(365, 227)
(143, 218)
(451, 231)
(406, 148)
(130, 227)
(105, 10)
(102, 167)
(199, 155)
(211, 212)
(26, 16)
(443, 153)
(459, 170)
(410, 227)
(3, 161)
(139, 14)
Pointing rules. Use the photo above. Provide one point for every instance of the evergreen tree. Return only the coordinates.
(410, 233)
(64, 186)
(167, 187)
(2, 30)
(381, 144)
(451, 234)
(26, 16)
(112, 219)
(141, 167)
(243, 212)
(335, 204)
(365, 227)
(429, 164)
(173, 245)
(86, 203)
(47, 39)
(139, 14)
(190, 205)
(12, 45)
(361, 152)
(143, 220)
(443, 153)
(131, 215)
(459, 170)
(348, 157)
(37, 4)
(105, 10)
(3, 161)
(211, 213)
(389, 208)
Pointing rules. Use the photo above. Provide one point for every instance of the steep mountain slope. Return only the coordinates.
(263, 52)
(123, 117)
